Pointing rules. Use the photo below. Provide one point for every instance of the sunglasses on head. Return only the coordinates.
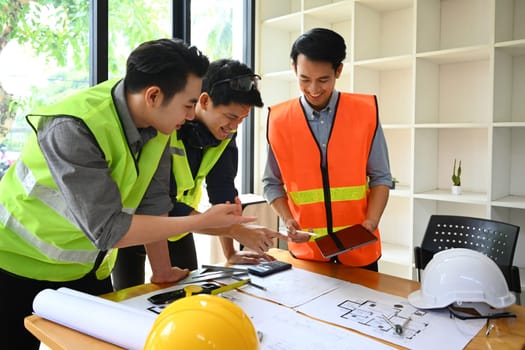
(245, 82)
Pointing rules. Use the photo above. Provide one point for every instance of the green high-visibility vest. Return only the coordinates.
(189, 189)
(39, 237)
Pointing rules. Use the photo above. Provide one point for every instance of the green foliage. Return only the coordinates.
(58, 31)
(456, 175)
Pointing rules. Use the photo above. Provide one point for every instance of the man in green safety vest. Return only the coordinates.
(203, 150)
(94, 176)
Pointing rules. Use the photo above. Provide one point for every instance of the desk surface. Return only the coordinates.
(507, 334)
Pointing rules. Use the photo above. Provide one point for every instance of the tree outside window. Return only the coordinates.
(44, 50)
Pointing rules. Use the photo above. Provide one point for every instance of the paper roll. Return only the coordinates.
(100, 318)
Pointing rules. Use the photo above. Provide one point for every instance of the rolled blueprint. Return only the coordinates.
(100, 318)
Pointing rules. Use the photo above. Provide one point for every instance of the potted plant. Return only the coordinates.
(456, 178)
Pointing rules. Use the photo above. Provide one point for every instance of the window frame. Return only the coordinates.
(181, 28)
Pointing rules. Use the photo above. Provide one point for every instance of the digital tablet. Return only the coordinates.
(351, 238)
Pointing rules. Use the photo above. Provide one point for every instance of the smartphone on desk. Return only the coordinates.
(351, 238)
(171, 296)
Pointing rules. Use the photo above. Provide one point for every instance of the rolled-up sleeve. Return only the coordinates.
(378, 167)
(273, 186)
(82, 176)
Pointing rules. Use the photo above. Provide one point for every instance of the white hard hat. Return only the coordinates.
(461, 275)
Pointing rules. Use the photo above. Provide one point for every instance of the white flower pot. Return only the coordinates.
(456, 190)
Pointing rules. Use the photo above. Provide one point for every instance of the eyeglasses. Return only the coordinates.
(245, 82)
(472, 314)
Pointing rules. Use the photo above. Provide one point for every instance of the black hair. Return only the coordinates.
(165, 63)
(222, 93)
(320, 44)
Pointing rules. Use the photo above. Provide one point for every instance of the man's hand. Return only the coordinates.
(255, 237)
(292, 227)
(223, 215)
(175, 274)
(248, 257)
(370, 225)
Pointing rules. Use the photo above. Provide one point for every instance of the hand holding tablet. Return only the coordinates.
(350, 238)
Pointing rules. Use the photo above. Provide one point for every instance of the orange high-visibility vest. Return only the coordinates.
(334, 197)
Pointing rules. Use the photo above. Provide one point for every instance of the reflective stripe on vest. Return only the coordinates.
(343, 182)
(40, 238)
(189, 189)
(78, 256)
(336, 194)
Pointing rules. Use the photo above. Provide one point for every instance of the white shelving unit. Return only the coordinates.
(450, 80)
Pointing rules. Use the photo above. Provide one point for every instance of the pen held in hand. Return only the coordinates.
(298, 231)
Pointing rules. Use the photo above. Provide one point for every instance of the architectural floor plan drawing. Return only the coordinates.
(375, 314)
(398, 319)
(390, 318)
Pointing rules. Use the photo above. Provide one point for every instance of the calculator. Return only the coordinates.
(269, 268)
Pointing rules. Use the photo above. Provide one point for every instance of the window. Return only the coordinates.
(45, 55)
(131, 23)
(43, 58)
(217, 30)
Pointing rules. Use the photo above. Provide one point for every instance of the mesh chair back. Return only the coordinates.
(495, 239)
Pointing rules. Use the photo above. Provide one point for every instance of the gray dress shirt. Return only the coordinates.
(82, 175)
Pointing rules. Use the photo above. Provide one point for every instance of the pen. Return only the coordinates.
(297, 231)
(229, 287)
(398, 328)
(249, 282)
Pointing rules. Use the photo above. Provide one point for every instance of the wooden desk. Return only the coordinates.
(507, 334)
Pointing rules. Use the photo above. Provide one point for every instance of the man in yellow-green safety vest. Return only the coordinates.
(91, 178)
(203, 150)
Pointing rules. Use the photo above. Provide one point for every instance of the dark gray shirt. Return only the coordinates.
(377, 168)
(82, 175)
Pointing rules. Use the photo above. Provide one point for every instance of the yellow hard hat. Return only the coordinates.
(202, 322)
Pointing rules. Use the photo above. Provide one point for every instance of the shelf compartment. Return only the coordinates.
(386, 63)
(441, 24)
(342, 27)
(328, 11)
(509, 20)
(278, 8)
(276, 40)
(510, 202)
(277, 90)
(399, 143)
(396, 241)
(457, 55)
(512, 48)
(396, 224)
(446, 195)
(393, 88)
(383, 31)
(396, 253)
(435, 151)
(509, 83)
(457, 92)
(394, 269)
(508, 164)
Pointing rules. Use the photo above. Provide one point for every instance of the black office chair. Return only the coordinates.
(495, 239)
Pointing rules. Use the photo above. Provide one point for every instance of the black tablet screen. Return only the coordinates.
(351, 237)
